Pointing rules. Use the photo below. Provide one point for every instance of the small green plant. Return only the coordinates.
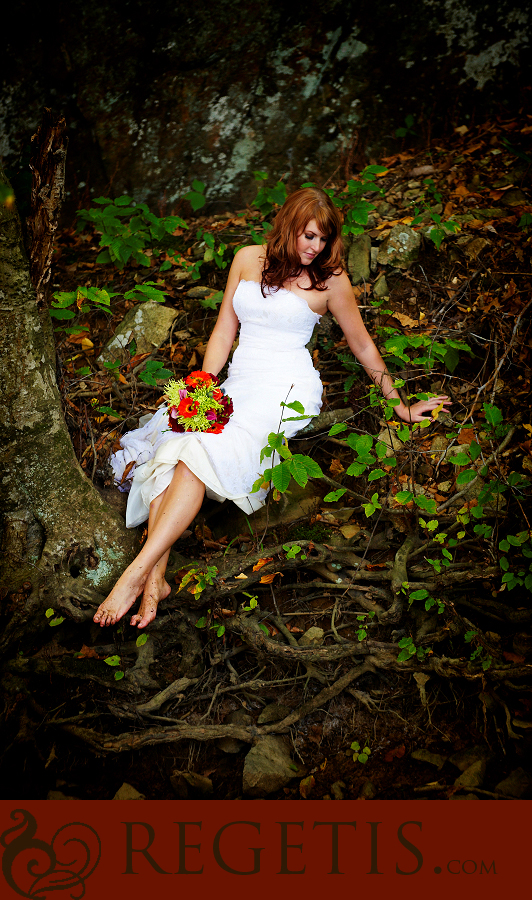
(408, 649)
(292, 550)
(351, 200)
(202, 577)
(407, 128)
(196, 196)
(127, 229)
(253, 600)
(360, 754)
(203, 622)
(53, 620)
(297, 466)
(153, 372)
(268, 198)
(115, 661)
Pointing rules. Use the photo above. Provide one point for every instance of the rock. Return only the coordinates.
(434, 759)
(358, 258)
(444, 487)
(147, 324)
(231, 744)
(400, 248)
(268, 767)
(465, 758)
(312, 638)
(337, 790)
(389, 437)
(180, 276)
(473, 776)
(190, 785)
(58, 795)
(439, 445)
(464, 797)
(198, 293)
(516, 784)
(128, 792)
(380, 288)
(368, 791)
(474, 248)
(274, 712)
(344, 513)
(350, 531)
(373, 259)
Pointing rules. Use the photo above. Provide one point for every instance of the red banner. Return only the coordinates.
(147, 849)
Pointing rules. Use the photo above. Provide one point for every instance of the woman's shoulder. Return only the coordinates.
(250, 261)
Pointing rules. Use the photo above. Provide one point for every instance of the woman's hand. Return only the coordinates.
(415, 412)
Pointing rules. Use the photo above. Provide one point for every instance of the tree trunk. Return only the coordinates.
(62, 546)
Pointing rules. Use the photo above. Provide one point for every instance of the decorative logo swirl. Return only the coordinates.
(34, 868)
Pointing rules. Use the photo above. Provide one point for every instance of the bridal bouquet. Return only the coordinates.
(197, 403)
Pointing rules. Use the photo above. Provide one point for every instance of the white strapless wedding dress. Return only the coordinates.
(270, 364)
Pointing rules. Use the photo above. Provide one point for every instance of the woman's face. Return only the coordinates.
(310, 242)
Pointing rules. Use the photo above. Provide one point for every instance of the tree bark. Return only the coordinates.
(62, 546)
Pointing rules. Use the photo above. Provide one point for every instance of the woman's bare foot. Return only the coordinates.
(155, 590)
(120, 600)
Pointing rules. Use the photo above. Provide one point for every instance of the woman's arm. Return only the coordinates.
(344, 307)
(224, 332)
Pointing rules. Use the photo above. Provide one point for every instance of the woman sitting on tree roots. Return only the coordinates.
(277, 293)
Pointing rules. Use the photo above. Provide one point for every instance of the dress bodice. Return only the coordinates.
(279, 322)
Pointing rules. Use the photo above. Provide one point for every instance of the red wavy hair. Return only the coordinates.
(282, 259)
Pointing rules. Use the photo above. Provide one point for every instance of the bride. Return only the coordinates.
(276, 293)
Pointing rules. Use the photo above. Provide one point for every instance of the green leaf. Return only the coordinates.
(376, 473)
(504, 546)
(419, 595)
(425, 503)
(56, 621)
(337, 429)
(465, 477)
(141, 640)
(298, 472)
(461, 459)
(49, 612)
(264, 629)
(333, 496)
(201, 623)
(119, 676)
(112, 660)
(404, 496)
(281, 476)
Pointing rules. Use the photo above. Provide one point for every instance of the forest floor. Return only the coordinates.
(422, 726)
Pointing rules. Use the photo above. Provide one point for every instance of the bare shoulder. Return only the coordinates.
(250, 261)
(340, 289)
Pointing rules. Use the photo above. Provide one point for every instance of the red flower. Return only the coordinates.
(217, 394)
(175, 426)
(188, 408)
(217, 428)
(200, 379)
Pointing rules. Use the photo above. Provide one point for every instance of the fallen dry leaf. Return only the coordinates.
(88, 653)
(267, 579)
(395, 753)
(240, 577)
(262, 562)
(405, 320)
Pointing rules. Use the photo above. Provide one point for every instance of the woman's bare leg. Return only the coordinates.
(156, 587)
(179, 506)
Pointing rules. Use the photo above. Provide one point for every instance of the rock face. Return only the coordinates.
(147, 323)
(155, 97)
(400, 248)
(358, 258)
(268, 767)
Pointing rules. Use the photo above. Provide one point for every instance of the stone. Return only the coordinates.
(337, 790)
(464, 797)
(268, 767)
(473, 776)
(380, 288)
(401, 248)
(58, 795)
(463, 759)
(313, 637)
(516, 784)
(434, 759)
(231, 744)
(358, 258)
(373, 259)
(198, 292)
(444, 487)
(344, 513)
(393, 443)
(128, 792)
(147, 324)
(368, 791)
(190, 785)
(474, 248)
(439, 445)
(274, 712)
(350, 531)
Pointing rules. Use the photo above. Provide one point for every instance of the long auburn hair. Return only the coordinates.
(282, 259)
